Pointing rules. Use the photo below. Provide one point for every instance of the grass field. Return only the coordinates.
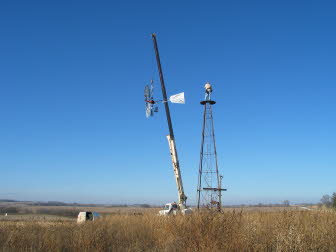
(280, 230)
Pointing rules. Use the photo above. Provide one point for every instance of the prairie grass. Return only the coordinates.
(229, 231)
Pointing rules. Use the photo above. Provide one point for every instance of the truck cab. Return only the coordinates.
(173, 209)
(169, 209)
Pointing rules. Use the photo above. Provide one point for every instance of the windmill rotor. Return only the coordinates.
(151, 104)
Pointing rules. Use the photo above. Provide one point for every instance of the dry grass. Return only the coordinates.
(230, 231)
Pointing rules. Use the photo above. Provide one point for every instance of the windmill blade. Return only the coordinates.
(178, 98)
(147, 92)
(149, 110)
(151, 89)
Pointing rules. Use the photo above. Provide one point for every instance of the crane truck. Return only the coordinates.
(180, 207)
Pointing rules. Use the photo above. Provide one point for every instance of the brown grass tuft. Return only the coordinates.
(230, 231)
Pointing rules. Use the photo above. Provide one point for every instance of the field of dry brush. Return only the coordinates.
(229, 231)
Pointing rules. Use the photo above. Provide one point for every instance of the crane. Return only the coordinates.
(171, 208)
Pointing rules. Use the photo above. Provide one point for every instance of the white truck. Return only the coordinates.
(173, 209)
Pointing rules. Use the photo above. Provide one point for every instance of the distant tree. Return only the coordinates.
(8, 210)
(326, 200)
(333, 200)
(145, 205)
(286, 203)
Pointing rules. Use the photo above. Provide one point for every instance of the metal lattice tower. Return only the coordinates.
(209, 190)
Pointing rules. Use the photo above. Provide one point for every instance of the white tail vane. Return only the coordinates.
(178, 98)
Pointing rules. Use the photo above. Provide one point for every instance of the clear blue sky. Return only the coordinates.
(73, 125)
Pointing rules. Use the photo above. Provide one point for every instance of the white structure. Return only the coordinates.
(208, 91)
(87, 216)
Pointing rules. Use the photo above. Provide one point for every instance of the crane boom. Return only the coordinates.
(171, 140)
(177, 172)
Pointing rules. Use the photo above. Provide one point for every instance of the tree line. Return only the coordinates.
(329, 201)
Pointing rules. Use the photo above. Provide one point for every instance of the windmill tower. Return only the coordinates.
(209, 189)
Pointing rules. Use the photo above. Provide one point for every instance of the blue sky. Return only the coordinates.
(73, 126)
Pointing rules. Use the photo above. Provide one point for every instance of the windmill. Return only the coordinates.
(151, 105)
(209, 189)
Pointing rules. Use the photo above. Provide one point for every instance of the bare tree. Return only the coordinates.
(286, 203)
(326, 200)
(333, 200)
